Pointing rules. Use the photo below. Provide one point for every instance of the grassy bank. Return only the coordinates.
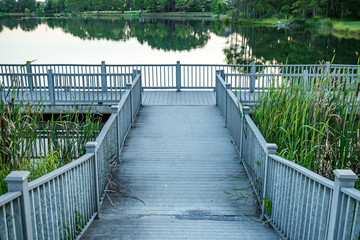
(314, 125)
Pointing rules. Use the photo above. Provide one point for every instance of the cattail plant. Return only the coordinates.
(315, 124)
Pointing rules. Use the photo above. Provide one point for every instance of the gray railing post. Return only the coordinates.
(103, 77)
(246, 110)
(131, 103)
(141, 88)
(271, 149)
(306, 77)
(91, 148)
(252, 77)
(29, 71)
(18, 181)
(228, 86)
(178, 76)
(133, 75)
(343, 178)
(115, 110)
(51, 87)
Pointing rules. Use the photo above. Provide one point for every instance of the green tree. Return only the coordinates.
(98, 5)
(160, 5)
(139, 4)
(182, 4)
(29, 4)
(218, 7)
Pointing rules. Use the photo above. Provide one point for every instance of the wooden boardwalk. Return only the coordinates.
(179, 160)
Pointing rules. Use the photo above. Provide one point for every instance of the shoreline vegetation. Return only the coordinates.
(33, 142)
(339, 28)
(314, 124)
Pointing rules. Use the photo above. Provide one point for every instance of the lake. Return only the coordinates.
(121, 40)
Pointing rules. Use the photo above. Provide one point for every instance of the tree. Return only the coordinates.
(182, 4)
(29, 4)
(218, 7)
(160, 5)
(98, 5)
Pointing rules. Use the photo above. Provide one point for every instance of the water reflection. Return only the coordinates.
(243, 44)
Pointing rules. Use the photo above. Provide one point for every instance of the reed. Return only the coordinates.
(28, 142)
(315, 124)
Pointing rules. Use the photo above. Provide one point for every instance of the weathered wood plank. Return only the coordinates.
(180, 161)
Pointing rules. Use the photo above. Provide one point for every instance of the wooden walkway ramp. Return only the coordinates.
(179, 160)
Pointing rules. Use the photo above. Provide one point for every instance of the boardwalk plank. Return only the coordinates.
(180, 161)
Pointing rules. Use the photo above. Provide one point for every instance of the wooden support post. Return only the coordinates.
(18, 181)
(252, 77)
(51, 87)
(271, 149)
(30, 78)
(103, 77)
(246, 111)
(228, 86)
(91, 148)
(343, 178)
(115, 110)
(178, 76)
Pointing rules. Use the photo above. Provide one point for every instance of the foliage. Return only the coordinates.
(24, 132)
(217, 7)
(315, 124)
(268, 206)
(27, 11)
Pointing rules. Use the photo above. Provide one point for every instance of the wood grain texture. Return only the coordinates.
(180, 161)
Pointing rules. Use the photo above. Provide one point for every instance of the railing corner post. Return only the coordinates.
(252, 77)
(18, 181)
(51, 87)
(271, 149)
(343, 178)
(91, 148)
(30, 79)
(178, 76)
(103, 77)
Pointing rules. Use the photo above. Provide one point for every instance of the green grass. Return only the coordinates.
(113, 12)
(315, 125)
(181, 14)
(259, 22)
(22, 125)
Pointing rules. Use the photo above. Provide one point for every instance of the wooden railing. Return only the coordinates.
(63, 203)
(243, 78)
(298, 203)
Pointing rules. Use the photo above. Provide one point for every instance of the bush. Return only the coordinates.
(27, 11)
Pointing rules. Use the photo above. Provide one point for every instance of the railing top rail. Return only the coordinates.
(314, 176)
(8, 197)
(67, 74)
(100, 138)
(112, 118)
(352, 192)
(91, 74)
(59, 171)
(257, 133)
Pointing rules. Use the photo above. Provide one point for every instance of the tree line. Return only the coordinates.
(237, 9)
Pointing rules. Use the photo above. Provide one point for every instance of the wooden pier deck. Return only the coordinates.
(179, 160)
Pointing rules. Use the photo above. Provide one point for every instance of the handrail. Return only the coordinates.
(57, 172)
(190, 76)
(8, 197)
(76, 189)
(294, 200)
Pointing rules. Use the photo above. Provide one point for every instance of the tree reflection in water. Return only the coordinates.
(243, 44)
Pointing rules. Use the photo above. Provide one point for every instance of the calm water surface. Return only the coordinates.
(147, 40)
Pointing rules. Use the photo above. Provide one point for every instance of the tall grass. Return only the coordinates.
(28, 142)
(315, 124)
